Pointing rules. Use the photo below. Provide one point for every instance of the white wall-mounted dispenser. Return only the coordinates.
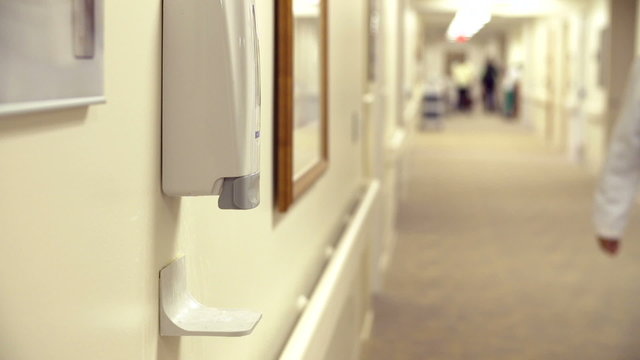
(211, 101)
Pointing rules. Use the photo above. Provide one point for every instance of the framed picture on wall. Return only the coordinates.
(302, 153)
(51, 54)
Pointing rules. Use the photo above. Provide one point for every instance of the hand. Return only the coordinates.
(609, 246)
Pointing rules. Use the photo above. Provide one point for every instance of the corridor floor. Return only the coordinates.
(496, 260)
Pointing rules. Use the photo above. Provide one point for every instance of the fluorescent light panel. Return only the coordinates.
(468, 21)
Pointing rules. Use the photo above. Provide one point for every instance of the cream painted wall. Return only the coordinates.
(576, 141)
(527, 109)
(393, 25)
(375, 114)
(412, 38)
(434, 60)
(596, 97)
(86, 229)
(597, 20)
(557, 72)
(585, 100)
(515, 48)
(491, 50)
(389, 102)
(539, 68)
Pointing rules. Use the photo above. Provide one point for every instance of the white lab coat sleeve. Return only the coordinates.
(621, 173)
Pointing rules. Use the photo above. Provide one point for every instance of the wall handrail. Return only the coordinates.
(312, 334)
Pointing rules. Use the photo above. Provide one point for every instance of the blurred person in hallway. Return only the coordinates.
(489, 86)
(463, 77)
(510, 84)
(620, 177)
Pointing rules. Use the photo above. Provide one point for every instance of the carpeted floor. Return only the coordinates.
(496, 258)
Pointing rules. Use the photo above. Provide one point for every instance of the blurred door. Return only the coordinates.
(622, 40)
(551, 84)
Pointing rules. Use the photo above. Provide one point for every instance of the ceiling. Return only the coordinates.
(504, 8)
(436, 24)
(506, 14)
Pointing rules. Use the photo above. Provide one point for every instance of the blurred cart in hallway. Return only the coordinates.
(433, 105)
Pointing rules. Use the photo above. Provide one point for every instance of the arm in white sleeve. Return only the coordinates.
(621, 173)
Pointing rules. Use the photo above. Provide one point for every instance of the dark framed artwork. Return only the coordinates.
(301, 153)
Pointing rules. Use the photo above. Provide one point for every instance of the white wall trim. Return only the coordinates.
(48, 105)
(314, 331)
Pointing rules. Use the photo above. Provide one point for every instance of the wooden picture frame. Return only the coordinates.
(290, 181)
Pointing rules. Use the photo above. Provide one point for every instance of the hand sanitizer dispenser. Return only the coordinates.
(211, 101)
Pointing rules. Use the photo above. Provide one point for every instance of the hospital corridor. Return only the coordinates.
(319, 180)
(495, 257)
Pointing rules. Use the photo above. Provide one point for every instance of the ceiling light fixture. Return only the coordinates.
(467, 22)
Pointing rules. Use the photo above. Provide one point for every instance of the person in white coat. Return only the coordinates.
(620, 177)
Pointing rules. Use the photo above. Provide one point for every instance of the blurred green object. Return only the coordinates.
(510, 103)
